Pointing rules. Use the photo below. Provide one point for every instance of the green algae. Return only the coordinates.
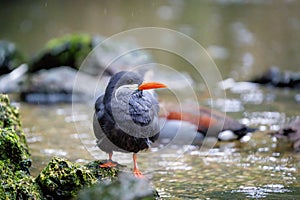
(17, 184)
(15, 181)
(10, 117)
(13, 151)
(104, 174)
(13, 146)
(63, 179)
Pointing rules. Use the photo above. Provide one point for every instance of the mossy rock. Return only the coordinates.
(69, 50)
(13, 151)
(62, 179)
(10, 118)
(104, 174)
(10, 57)
(17, 184)
(13, 146)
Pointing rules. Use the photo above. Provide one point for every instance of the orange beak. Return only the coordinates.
(151, 85)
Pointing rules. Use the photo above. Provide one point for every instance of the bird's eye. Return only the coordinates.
(129, 81)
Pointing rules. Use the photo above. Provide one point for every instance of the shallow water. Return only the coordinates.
(261, 168)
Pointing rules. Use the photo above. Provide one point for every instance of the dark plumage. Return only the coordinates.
(126, 116)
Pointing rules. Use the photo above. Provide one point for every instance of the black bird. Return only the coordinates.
(126, 116)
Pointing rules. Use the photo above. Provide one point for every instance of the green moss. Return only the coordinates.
(10, 117)
(13, 146)
(17, 184)
(12, 150)
(63, 179)
(104, 174)
(69, 50)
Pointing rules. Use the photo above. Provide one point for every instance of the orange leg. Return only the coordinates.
(109, 163)
(136, 171)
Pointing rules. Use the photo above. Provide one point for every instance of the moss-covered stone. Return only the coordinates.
(69, 50)
(104, 174)
(13, 146)
(17, 184)
(13, 151)
(10, 118)
(15, 181)
(63, 179)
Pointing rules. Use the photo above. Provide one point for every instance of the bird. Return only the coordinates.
(126, 117)
(210, 122)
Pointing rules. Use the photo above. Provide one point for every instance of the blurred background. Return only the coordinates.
(243, 37)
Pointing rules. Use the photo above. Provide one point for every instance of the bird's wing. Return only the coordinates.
(99, 107)
(143, 108)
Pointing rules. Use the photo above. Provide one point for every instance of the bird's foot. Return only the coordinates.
(138, 174)
(108, 164)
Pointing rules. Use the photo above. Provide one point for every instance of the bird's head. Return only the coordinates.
(126, 82)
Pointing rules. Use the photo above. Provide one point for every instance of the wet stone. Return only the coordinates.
(63, 179)
(127, 187)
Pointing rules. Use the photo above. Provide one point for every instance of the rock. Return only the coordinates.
(17, 184)
(15, 181)
(58, 85)
(69, 50)
(12, 138)
(10, 83)
(58, 72)
(104, 174)
(277, 78)
(63, 179)
(72, 50)
(125, 188)
(10, 57)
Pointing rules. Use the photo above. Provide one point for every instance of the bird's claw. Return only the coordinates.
(138, 174)
(108, 164)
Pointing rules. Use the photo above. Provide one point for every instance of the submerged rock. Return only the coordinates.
(10, 57)
(125, 188)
